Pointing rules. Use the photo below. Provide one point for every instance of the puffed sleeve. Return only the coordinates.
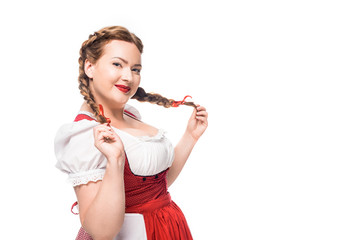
(76, 153)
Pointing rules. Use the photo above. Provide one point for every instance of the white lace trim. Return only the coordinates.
(84, 177)
(159, 136)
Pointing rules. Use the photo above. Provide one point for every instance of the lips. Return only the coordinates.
(123, 88)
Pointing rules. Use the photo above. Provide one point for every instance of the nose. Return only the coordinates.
(127, 75)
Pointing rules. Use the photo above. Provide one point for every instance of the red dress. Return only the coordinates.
(148, 196)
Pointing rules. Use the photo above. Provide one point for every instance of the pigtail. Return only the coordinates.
(83, 79)
(85, 91)
(155, 98)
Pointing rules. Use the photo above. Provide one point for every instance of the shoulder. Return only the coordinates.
(73, 134)
(85, 114)
(132, 112)
(76, 154)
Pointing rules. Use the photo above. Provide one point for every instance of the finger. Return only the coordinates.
(200, 108)
(109, 139)
(201, 119)
(102, 127)
(202, 113)
(104, 131)
(193, 115)
(105, 136)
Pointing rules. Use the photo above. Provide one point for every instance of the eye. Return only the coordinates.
(117, 64)
(137, 70)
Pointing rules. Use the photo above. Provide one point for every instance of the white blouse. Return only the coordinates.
(78, 157)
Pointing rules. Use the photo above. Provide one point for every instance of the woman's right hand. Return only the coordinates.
(108, 142)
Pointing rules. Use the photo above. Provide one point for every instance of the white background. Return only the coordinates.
(280, 80)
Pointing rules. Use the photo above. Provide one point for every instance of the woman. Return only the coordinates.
(119, 166)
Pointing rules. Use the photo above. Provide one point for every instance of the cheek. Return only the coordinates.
(111, 76)
(135, 85)
(104, 82)
(107, 74)
(137, 82)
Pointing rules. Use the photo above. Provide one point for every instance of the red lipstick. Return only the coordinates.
(123, 88)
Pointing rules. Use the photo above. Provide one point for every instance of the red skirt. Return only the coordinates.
(163, 220)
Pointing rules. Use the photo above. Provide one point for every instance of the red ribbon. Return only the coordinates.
(101, 109)
(178, 103)
(75, 203)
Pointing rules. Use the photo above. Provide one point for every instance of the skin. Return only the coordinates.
(102, 204)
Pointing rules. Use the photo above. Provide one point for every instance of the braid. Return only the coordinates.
(85, 91)
(155, 98)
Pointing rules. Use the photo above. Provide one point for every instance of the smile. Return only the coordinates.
(123, 88)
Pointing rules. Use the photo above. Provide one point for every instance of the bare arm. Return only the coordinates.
(197, 124)
(182, 153)
(102, 204)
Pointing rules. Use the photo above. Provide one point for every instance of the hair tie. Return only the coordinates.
(72, 207)
(101, 109)
(178, 103)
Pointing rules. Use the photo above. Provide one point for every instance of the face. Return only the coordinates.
(116, 74)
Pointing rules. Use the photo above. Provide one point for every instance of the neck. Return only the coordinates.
(115, 114)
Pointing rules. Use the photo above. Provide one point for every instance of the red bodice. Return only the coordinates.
(142, 189)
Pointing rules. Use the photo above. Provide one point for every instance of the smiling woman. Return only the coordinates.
(121, 171)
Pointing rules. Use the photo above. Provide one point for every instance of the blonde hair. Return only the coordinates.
(92, 50)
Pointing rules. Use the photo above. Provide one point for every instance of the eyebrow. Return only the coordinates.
(135, 65)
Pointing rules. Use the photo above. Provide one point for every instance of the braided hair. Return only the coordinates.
(92, 50)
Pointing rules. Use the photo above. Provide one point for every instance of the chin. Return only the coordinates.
(116, 101)
(121, 102)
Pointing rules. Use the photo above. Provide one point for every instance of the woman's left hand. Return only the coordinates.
(197, 123)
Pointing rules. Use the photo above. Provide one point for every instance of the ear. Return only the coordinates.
(89, 69)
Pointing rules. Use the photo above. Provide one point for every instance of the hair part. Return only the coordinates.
(92, 49)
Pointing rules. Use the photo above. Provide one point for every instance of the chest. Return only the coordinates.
(147, 155)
